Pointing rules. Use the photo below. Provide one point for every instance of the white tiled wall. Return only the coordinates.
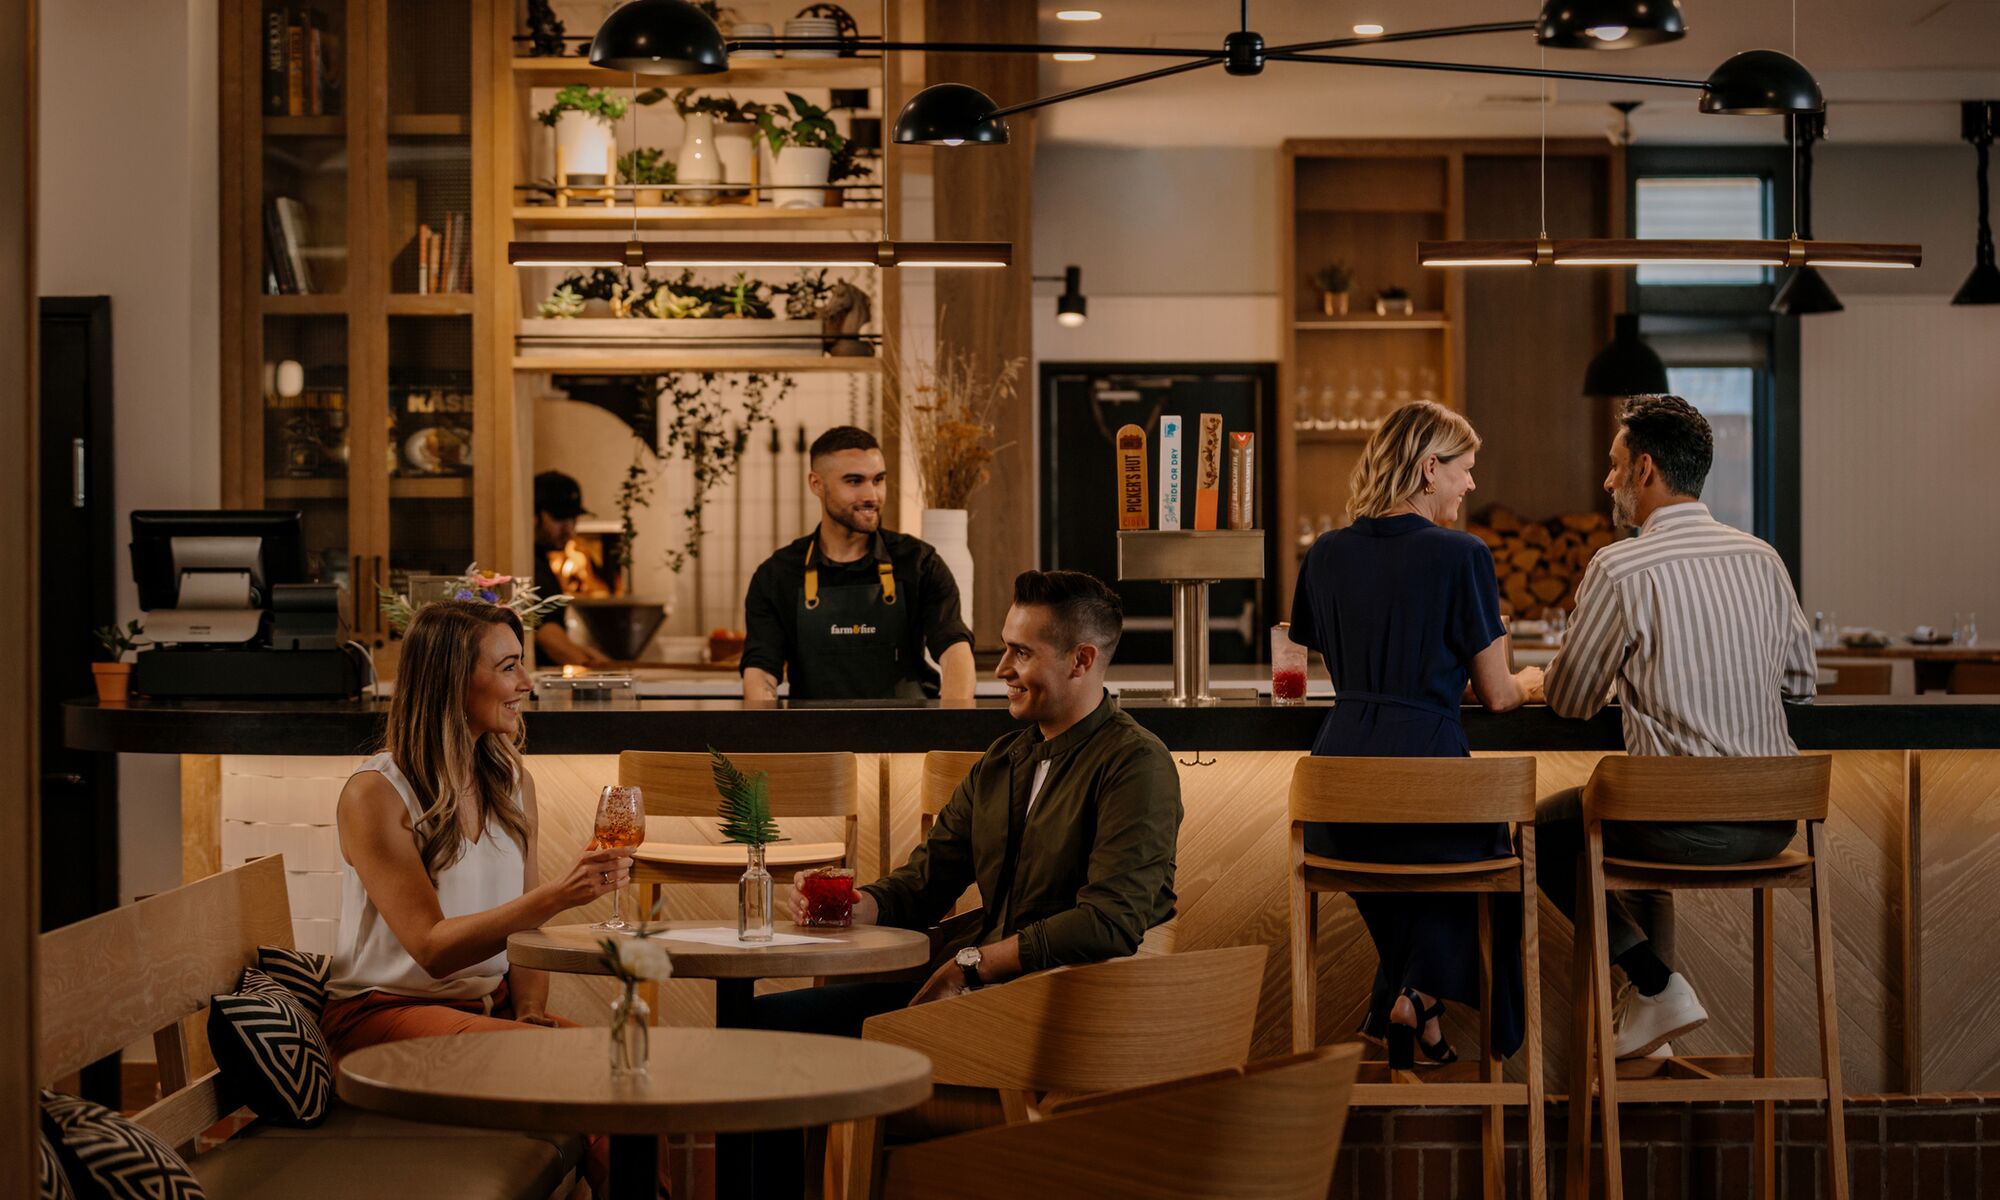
(285, 805)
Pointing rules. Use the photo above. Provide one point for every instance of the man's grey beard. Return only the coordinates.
(1621, 509)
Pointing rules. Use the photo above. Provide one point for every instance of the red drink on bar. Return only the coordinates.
(1288, 685)
(829, 893)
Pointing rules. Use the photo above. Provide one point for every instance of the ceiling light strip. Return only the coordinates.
(1631, 252)
(760, 254)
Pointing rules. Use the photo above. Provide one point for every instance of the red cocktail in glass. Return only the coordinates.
(829, 895)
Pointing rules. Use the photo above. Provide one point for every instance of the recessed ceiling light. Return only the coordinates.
(1368, 30)
(1079, 14)
(1075, 57)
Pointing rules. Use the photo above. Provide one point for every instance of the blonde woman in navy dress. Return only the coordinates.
(1406, 611)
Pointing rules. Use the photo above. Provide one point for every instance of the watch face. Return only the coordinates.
(969, 957)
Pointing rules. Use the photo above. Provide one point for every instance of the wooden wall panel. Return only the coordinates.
(1959, 1023)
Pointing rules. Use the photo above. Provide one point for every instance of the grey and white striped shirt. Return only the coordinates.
(1697, 625)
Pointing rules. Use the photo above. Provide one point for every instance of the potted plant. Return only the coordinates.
(585, 146)
(1333, 280)
(947, 409)
(846, 165)
(114, 677)
(803, 142)
(1394, 302)
(643, 166)
(745, 814)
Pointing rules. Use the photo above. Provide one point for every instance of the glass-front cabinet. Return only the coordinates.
(348, 281)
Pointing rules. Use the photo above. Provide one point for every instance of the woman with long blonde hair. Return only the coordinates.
(439, 835)
(1406, 611)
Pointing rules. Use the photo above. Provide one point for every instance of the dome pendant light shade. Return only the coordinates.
(659, 37)
(1627, 366)
(1761, 83)
(950, 114)
(1805, 292)
(1609, 24)
(1981, 122)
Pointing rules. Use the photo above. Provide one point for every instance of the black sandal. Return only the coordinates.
(1403, 1040)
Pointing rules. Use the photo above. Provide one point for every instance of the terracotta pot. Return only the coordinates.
(1333, 304)
(646, 195)
(114, 681)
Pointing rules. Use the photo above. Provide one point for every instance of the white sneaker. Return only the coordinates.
(1650, 1021)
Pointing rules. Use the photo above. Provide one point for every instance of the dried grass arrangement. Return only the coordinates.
(946, 417)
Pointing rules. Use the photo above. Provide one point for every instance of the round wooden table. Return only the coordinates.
(701, 1081)
(735, 968)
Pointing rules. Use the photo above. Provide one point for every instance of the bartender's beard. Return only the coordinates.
(861, 519)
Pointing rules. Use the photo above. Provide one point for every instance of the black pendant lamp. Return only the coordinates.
(1761, 83)
(1609, 24)
(1980, 120)
(950, 114)
(659, 37)
(1627, 366)
(1805, 292)
(1072, 310)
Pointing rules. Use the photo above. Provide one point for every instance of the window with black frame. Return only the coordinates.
(1712, 326)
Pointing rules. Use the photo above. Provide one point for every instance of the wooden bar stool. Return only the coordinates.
(944, 770)
(1429, 791)
(683, 785)
(1657, 789)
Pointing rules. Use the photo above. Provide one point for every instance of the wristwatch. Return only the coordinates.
(968, 961)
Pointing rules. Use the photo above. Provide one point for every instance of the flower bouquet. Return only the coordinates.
(633, 960)
(505, 590)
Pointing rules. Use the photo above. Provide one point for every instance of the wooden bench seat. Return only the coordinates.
(148, 969)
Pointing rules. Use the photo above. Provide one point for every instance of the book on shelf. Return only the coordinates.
(301, 62)
(430, 423)
(285, 236)
(444, 256)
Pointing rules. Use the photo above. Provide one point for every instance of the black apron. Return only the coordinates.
(851, 638)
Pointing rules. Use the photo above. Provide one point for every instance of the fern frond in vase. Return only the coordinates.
(745, 812)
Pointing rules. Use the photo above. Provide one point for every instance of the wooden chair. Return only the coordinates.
(1077, 1030)
(1431, 791)
(1270, 1131)
(944, 770)
(1858, 678)
(1974, 679)
(682, 785)
(1708, 790)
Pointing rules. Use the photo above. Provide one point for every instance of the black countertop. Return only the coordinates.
(341, 727)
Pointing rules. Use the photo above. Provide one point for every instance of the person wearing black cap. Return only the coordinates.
(558, 503)
(848, 611)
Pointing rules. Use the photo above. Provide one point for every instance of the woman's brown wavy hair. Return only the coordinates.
(431, 739)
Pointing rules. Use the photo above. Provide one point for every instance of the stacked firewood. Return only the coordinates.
(1540, 563)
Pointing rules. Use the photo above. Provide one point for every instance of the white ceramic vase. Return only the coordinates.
(585, 146)
(698, 162)
(945, 530)
(798, 174)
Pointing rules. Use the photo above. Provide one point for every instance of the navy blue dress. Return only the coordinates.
(1399, 607)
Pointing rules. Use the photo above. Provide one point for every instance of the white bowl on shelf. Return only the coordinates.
(812, 27)
(754, 29)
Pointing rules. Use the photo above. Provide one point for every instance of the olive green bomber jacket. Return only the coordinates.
(1095, 864)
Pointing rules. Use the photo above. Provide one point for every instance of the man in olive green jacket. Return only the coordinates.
(1068, 827)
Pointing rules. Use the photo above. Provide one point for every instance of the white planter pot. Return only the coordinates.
(584, 146)
(799, 175)
(698, 162)
(735, 146)
(945, 530)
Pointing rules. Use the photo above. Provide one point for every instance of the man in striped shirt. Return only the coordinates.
(1697, 629)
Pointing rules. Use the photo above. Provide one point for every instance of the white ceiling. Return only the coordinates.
(1892, 72)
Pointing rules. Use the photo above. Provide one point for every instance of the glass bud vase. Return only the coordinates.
(753, 900)
(630, 1018)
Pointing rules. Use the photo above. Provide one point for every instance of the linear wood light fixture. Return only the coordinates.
(639, 253)
(673, 37)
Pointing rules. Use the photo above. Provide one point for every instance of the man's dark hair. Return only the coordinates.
(842, 437)
(1677, 436)
(1081, 608)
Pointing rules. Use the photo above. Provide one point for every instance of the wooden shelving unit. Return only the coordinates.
(661, 361)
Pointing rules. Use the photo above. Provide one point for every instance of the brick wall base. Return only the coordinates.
(1898, 1147)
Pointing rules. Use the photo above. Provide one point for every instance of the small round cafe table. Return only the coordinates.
(735, 967)
(700, 1081)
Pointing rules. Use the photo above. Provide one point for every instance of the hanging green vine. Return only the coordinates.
(699, 423)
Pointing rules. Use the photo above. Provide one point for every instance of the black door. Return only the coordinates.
(77, 594)
(1083, 404)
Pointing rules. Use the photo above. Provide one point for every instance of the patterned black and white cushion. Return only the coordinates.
(51, 1181)
(270, 1051)
(111, 1158)
(303, 973)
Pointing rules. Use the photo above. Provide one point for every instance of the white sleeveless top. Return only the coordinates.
(369, 957)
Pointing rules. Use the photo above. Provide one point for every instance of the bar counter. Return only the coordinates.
(1914, 826)
(344, 727)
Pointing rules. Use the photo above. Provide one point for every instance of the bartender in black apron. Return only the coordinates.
(849, 611)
